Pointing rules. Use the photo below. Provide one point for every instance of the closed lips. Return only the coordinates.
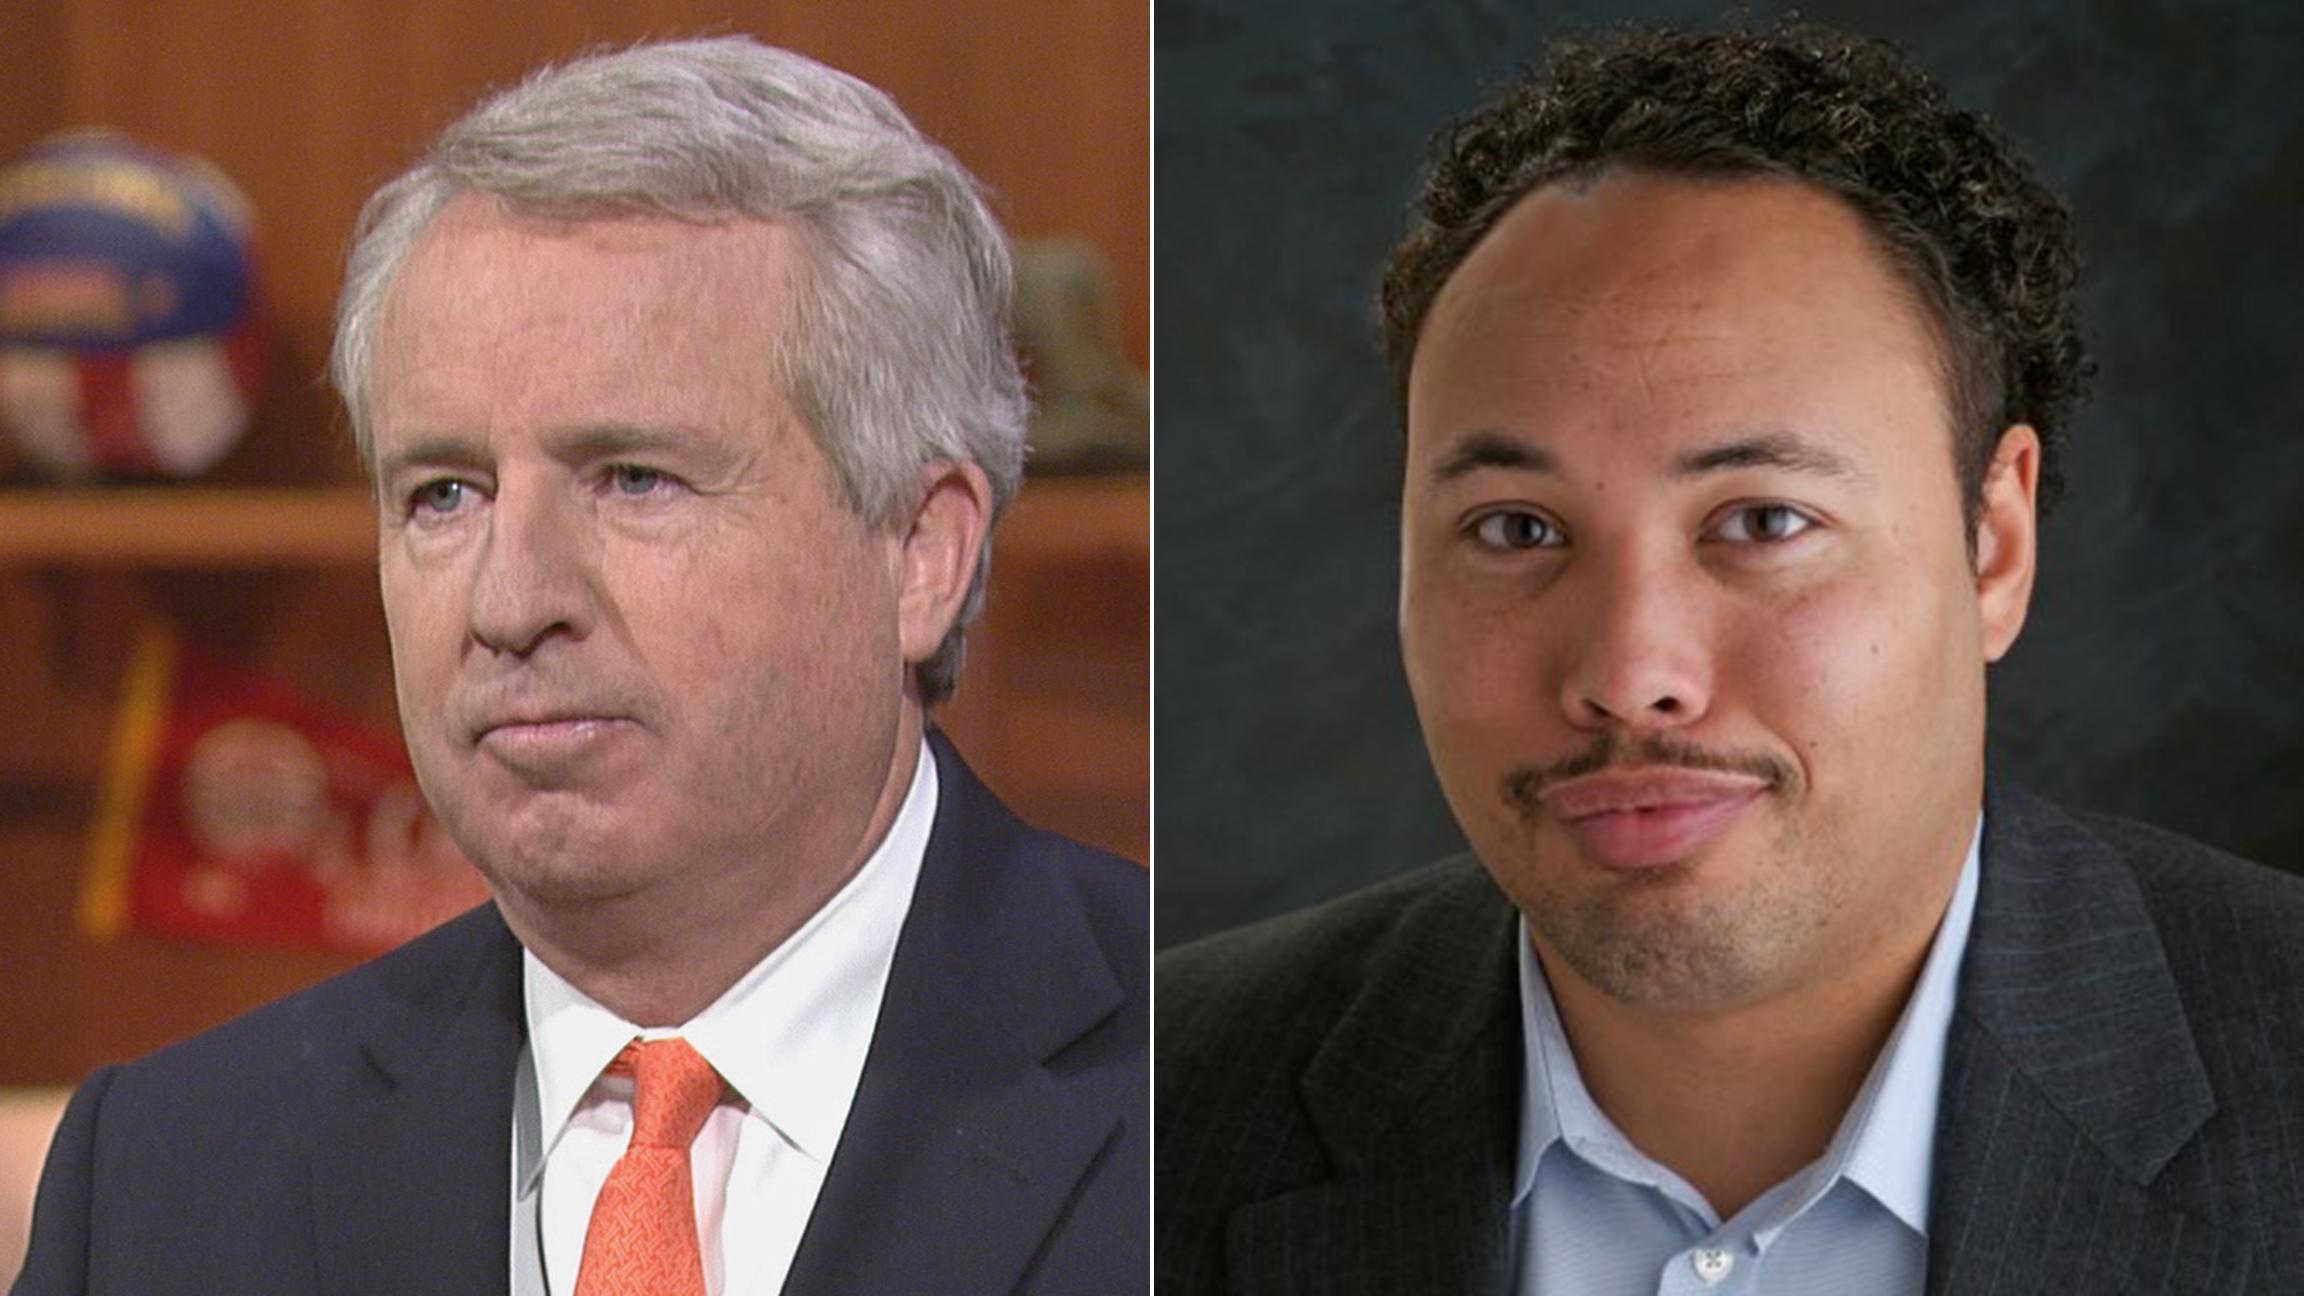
(1626, 791)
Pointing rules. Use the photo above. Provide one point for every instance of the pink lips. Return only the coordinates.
(1641, 818)
(548, 742)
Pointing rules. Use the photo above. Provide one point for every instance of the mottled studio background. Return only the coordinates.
(2162, 673)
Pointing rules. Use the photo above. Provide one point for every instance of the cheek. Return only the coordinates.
(1477, 669)
(422, 620)
(1851, 675)
(776, 645)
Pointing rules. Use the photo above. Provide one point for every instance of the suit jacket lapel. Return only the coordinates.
(963, 1146)
(412, 1191)
(1415, 1097)
(2071, 1081)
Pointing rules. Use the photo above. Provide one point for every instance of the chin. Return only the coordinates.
(550, 854)
(561, 879)
(1711, 931)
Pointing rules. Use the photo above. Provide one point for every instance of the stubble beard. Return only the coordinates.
(1668, 939)
(1671, 935)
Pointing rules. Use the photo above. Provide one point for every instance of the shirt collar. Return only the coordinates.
(790, 1036)
(1885, 1144)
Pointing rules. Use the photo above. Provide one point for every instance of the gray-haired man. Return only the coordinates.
(684, 379)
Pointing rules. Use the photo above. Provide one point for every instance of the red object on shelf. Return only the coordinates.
(238, 810)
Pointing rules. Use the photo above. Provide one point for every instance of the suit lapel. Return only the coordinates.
(2071, 1081)
(1415, 1097)
(964, 1146)
(412, 1192)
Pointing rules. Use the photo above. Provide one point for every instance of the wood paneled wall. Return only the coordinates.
(308, 105)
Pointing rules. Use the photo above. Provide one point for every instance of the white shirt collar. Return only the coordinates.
(1885, 1143)
(790, 1036)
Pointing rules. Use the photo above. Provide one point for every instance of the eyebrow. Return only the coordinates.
(1787, 451)
(590, 442)
(613, 440)
(1478, 450)
(436, 451)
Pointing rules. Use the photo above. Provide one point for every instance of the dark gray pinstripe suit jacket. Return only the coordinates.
(1338, 1090)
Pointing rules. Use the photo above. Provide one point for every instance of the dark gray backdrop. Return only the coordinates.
(2162, 673)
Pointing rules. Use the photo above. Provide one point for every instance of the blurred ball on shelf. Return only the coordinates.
(131, 339)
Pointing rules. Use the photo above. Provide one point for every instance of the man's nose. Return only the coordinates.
(536, 579)
(1639, 654)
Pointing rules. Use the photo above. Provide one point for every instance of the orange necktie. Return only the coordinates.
(642, 1238)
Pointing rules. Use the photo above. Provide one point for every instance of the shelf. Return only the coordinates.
(335, 526)
(196, 526)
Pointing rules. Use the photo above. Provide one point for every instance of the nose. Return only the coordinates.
(1640, 656)
(536, 579)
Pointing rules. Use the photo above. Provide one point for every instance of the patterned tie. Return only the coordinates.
(642, 1238)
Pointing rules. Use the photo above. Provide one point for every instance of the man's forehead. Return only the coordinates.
(480, 259)
(1670, 249)
(1701, 323)
(615, 301)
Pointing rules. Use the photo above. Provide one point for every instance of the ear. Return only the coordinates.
(2007, 539)
(936, 560)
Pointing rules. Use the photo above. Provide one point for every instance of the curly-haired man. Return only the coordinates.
(1736, 368)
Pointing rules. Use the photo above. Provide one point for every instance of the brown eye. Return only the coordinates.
(1763, 524)
(1517, 529)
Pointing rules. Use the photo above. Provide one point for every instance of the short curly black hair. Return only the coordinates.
(1986, 247)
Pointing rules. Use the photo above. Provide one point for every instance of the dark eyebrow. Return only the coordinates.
(1785, 450)
(1479, 450)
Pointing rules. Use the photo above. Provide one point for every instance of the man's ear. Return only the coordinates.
(936, 559)
(2007, 539)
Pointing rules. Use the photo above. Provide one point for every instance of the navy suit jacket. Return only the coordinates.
(2123, 1094)
(355, 1139)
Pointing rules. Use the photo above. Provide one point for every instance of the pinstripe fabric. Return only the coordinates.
(2124, 1092)
(1336, 1094)
(2123, 1104)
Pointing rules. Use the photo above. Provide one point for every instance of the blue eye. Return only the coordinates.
(630, 479)
(443, 496)
(1516, 529)
(1763, 524)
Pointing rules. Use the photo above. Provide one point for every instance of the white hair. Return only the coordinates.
(898, 351)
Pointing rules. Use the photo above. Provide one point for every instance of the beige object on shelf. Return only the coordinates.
(1091, 410)
(27, 1118)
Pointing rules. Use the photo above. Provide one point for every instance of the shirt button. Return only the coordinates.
(1711, 1266)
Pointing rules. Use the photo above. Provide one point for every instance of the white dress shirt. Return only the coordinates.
(790, 1037)
(1593, 1215)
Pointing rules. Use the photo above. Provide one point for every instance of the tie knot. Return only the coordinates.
(673, 1090)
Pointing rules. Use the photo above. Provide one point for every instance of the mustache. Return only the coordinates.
(1523, 787)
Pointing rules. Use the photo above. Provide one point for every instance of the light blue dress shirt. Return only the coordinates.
(1594, 1216)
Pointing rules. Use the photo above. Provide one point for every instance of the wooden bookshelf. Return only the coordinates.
(188, 527)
